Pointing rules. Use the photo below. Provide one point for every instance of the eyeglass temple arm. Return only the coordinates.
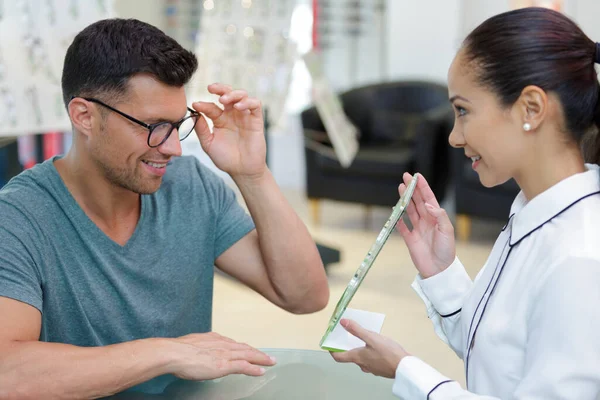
(129, 117)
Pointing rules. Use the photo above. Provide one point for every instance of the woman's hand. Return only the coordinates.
(431, 241)
(380, 356)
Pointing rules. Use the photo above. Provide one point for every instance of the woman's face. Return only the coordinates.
(490, 134)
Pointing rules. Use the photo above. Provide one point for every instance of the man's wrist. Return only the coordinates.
(253, 180)
(167, 354)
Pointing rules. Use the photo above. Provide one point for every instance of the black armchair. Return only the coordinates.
(472, 199)
(404, 127)
(9, 160)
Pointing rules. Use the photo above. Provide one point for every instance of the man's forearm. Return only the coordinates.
(289, 252)
(36, 370)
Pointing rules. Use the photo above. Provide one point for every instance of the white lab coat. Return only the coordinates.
(533, 309)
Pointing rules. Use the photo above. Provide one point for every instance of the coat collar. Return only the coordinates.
(527, 217)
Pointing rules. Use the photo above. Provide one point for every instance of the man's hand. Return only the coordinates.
(205, 356)
(237, 143)
(380, 356)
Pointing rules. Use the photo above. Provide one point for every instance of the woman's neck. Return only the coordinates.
(547, 168)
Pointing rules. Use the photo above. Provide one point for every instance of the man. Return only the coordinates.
(107, 254)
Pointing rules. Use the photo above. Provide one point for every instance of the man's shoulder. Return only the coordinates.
(26, 201)
(29, 188)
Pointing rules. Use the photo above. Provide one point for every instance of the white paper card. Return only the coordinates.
(340, 339)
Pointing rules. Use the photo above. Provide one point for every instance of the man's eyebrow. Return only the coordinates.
(156, 120)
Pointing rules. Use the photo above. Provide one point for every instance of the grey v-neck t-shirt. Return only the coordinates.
(92, 291)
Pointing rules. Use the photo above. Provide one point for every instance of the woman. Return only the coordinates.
(525, 93)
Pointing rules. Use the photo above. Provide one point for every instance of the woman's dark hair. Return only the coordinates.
(107, 53)
(541, 47)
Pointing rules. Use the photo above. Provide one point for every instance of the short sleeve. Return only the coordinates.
(232, 221)
(19, 276)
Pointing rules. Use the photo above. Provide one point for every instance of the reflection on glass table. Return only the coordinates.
(298, 375)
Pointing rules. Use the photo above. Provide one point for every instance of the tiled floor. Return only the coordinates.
(245, 316)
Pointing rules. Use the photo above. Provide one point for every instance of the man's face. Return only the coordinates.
(119, 147)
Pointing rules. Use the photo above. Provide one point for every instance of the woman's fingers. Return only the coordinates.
(425, 192)
(441, 217)
(403, 230)
(411, 210)
(416, 197)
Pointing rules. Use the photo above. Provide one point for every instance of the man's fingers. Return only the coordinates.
(242, 367)
(247, 361)
(211, 110)
(250, 104)
(210, 355)
(251, 355)
(203, 131)
(233, 97)
(219, 89)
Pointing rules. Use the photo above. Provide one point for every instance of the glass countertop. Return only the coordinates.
(298, 375)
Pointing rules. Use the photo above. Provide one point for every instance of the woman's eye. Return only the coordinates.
(460, 111)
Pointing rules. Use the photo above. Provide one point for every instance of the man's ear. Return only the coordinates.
(532, 107)
(82, 115)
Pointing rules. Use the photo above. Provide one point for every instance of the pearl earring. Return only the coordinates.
(527, 126)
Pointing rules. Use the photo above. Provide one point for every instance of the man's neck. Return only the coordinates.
(114, 209)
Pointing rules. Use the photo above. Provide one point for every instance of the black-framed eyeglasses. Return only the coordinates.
(159, 132)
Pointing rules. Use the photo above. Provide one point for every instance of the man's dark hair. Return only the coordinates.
(107, 53)
(541, 47)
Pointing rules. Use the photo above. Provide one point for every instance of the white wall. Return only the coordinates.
(150, 11)
(474, 12)
(587, 14)
(423, 38)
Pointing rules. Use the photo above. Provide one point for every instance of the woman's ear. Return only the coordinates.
(532, 107)
(81, 115)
